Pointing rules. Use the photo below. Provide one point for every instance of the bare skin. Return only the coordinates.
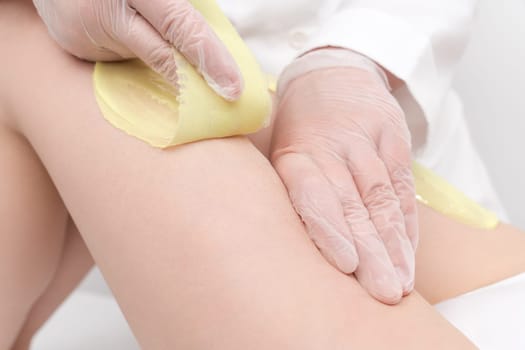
(75, 262)
(249, 279)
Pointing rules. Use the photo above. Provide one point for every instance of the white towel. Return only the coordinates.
(492, 317)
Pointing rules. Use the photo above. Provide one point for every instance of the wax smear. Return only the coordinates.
(441, 196)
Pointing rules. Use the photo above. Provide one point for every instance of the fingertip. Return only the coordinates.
(384, 286)
(344, 259)
(229, 86)
(390, 296)
(409, 288)
(348, 261)
(406, 278)
(222, 73)
(404, 265)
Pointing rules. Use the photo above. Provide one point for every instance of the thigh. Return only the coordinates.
(32, 227)
(32, 216)
(453, 259)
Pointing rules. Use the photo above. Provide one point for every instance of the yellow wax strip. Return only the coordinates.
(138, 101)
(437, 193)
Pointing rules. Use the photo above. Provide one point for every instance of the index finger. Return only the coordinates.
(180, 24)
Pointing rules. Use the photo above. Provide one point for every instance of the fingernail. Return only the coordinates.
(230, 89)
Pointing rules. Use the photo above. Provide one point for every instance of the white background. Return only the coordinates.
(491, 81)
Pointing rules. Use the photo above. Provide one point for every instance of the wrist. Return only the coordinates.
(329, 57)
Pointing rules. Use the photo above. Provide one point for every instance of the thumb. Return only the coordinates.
(146, 43)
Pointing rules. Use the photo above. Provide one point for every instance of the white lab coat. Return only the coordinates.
(418, 41)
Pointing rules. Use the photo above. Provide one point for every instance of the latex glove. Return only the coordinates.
(105, 30)
(342, 148)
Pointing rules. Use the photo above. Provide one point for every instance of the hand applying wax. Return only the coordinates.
(108, 30)
(342, 148)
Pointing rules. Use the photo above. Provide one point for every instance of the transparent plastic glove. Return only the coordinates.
(105, 30)
(342, 148)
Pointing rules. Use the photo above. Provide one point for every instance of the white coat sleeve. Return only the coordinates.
(418, 41)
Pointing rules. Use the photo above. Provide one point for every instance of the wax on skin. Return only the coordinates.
(140, 102)
(437, 193)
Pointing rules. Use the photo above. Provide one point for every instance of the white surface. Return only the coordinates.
(491, 80)
(86, 321)
(493, 317)
(95, 283)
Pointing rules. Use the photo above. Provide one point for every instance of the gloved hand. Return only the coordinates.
(106, 30)
(342, 147)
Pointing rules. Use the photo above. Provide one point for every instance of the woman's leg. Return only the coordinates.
(199, 243)
(75, 262)
(32, 227)
(453, 259)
